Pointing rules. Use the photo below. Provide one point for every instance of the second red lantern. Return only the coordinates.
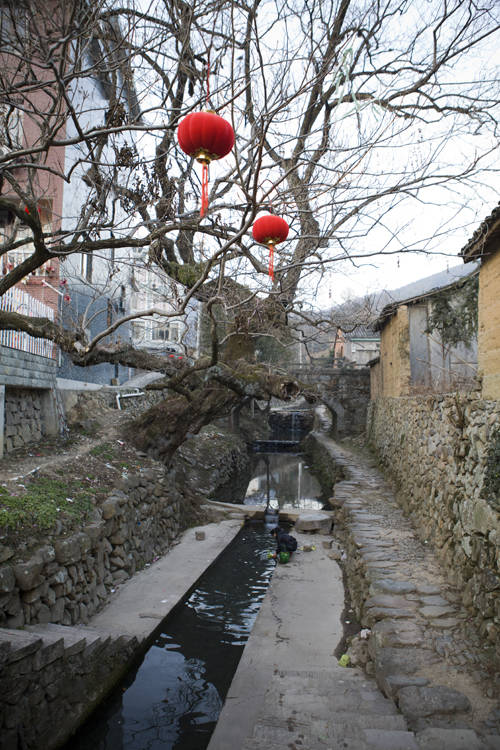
(206, 137)
(270, 230)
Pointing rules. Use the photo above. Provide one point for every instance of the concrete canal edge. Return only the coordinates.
(297, 628)
(76, 667)
(142, 602)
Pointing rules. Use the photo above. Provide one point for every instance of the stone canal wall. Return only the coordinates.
(443, 453)
(52, 677)
(68, 579)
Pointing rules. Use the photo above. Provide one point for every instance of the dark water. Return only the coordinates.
(173, 699)
(284, 478)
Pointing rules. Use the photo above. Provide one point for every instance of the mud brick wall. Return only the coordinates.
(443, 453)
(489, 326)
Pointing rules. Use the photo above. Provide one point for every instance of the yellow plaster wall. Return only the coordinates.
(393, 377)
(489, 326)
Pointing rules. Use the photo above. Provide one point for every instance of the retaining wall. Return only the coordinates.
(52, 678)
(24, 370)
(69, 579)
(443, 452)
(27, 401)
(23, 417)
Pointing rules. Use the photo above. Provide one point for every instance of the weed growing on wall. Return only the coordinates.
(491, 486)
(43, 503)
(454, 314)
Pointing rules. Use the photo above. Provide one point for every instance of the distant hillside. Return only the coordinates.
(365, 310)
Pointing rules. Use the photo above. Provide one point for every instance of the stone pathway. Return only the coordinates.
(421, 647)
(424, 675)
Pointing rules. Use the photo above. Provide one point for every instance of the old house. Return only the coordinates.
(428, 342)
(357, 346)
(484, 246)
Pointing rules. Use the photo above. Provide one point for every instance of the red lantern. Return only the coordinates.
(270, 230)
(206, 137)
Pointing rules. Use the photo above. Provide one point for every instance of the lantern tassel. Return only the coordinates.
(204, 189)
(271, 262)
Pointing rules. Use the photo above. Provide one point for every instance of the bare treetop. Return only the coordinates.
(347, 114)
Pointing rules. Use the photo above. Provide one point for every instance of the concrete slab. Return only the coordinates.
(141, 603)
(298, 627)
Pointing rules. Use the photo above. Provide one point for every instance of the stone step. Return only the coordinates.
(349, 743)
(17, 644)
(435, 738)
(314, 711)
(313, 699)
(343, 722)
(73, 641)
(379, 739)
(302, 731)
(76, 639)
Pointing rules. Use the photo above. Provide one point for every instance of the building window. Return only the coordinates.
(166, 332)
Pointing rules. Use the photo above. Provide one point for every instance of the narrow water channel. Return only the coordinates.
(284, 479)
(173, 699)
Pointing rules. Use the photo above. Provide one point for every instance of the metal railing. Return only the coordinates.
(15, 300)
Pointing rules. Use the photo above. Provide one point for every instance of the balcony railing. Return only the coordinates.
(15, 300)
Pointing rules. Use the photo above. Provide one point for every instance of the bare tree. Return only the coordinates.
(347, 114)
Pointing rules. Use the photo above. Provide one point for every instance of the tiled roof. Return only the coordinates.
(389, 310)
(361, 332)
(486, 239)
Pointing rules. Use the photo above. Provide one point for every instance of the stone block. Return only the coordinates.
(7, 579)
(28, 574)
(380, 739)
(94, 531)
(69, 550)
(418, 702)
(409, 660)
(6, 553)
(119, 576)
(394, 682)
(434, 738)
(57, 610)
(314, 522)
(110, 508)
(28, 597)
(46, 554)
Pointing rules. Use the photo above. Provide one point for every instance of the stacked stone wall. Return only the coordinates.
(443, 452)
(69, 578)
(23, 417)
(51, 678)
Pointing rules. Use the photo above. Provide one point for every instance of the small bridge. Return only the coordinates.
(344, 390)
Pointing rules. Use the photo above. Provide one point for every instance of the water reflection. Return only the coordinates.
(282, 480)
(173, 699)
